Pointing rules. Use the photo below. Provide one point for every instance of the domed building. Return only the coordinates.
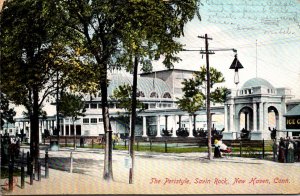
(254, 109)
(257, 107)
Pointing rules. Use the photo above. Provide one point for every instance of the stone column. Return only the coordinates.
(266, 116)
(144, 126)
(41, 132)
(254, 117)
(246, 120)
(158, 126)
(190, 126)
(174, 126)
(65, 129)
(231, 114)
(261, 116)
(225, 118)
(166, 122)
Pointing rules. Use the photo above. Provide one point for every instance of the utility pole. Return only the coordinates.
(133, 118)
(57, 108)
(207, 52)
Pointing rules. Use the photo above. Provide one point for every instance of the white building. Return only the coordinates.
(257, 106)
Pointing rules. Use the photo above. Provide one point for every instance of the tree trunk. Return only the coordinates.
(107, 173)
(35, 150)
(133, 118)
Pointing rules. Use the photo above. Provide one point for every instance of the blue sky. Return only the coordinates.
(275, 24)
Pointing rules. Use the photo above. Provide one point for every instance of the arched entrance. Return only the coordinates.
(246, 119)
(273, 117)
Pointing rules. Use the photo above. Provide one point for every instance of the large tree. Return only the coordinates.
(127, 33)
(35, 54)
(193, 98)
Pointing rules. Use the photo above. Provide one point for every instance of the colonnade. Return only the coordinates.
(256, 118)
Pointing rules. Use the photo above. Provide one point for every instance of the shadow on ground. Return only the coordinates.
(80, 165)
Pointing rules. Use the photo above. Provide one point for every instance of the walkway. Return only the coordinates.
(157, 173)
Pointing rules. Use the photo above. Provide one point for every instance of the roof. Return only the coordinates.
(144, 84)
(184, 70)
(254, 82)
(295, 111)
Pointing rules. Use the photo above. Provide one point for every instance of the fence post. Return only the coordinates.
(166, 146)
(125, 144)
(71, 162)
(31, 171)
(46, 164)
(263, 152)
(28, 163)
(39, 170)
(22, 172)
(10, 173)
(241, 148)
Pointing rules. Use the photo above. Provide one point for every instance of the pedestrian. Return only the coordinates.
(114, 140)
(217, 152)
(281, 156)
(290, 151)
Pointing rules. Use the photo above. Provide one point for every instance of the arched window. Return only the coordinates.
(140, 94)
(153, 95)
(167, 95)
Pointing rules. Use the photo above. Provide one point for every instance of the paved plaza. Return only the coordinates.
(159, 173)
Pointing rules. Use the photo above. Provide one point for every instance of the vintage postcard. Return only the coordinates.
(90, 103)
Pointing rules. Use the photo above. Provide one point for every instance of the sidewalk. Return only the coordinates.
(156, 173)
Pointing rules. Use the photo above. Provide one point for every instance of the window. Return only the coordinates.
(86, 120)
(93, 106)
(152, 105)
(99, 105)
(140, 94)
(100, 120)
(87, 105)
(111, 105)
(154, 95)
(93, 120)
(167, 95)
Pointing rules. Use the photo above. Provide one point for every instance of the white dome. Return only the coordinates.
(255, 82)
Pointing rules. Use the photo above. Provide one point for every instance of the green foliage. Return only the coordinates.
(6, 114)
(193, 98)
(35, 48)
(122, 95)
(72, 105)
(149, 30)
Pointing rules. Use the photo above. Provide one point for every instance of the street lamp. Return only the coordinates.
(236, 65)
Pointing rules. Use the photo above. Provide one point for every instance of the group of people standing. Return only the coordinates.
(288, 150)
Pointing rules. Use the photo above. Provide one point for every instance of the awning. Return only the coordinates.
(290, 130)
(295, 111)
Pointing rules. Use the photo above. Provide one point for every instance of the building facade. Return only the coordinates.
(257, 107)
